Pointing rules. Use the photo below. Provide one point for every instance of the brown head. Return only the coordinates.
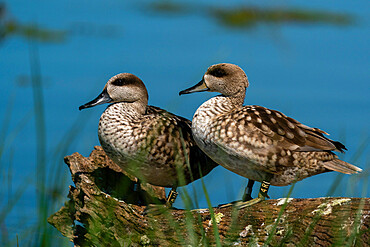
(225, 78)
(124, 87)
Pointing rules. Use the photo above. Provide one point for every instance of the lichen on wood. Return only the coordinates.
(106, 208)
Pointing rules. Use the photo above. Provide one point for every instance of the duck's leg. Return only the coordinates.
(171, 197)
(248, 191)
(262, 195)
(156, 209)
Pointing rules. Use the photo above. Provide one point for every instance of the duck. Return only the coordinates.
(150, 143)
(255, 142)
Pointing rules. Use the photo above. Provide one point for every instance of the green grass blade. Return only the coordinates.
(271, 234)
(212, 213)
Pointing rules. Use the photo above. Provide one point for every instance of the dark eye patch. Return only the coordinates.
(118, 82)
(125, 81)
(218, 72)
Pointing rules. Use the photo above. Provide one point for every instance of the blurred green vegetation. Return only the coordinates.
(10, 27)
(236, 17)
(49, 178)
(31, 32)
(249, 16)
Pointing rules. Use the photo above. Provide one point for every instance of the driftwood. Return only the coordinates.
(106, 208)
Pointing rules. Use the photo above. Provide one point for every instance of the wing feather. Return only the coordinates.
(290, 133)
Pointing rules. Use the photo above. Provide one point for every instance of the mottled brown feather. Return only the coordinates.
(157, 139)
(295, 136)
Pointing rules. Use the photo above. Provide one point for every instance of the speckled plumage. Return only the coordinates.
(256, 142)
(149, 145)
(146, 141)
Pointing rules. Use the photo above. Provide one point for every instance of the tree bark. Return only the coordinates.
(106, 208)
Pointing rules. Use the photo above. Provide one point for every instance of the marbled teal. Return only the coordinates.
(256, 142)
(152, 144)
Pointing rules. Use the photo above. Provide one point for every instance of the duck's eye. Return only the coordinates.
(118, 82)
(218, 72)
(125, 81)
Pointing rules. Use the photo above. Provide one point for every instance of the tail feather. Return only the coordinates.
(341, 166)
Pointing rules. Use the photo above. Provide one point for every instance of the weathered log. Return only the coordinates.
(106, 208)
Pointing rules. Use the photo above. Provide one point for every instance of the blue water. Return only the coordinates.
(316, 73)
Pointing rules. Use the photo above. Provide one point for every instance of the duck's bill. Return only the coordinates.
(200, 87)
(101, 99)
